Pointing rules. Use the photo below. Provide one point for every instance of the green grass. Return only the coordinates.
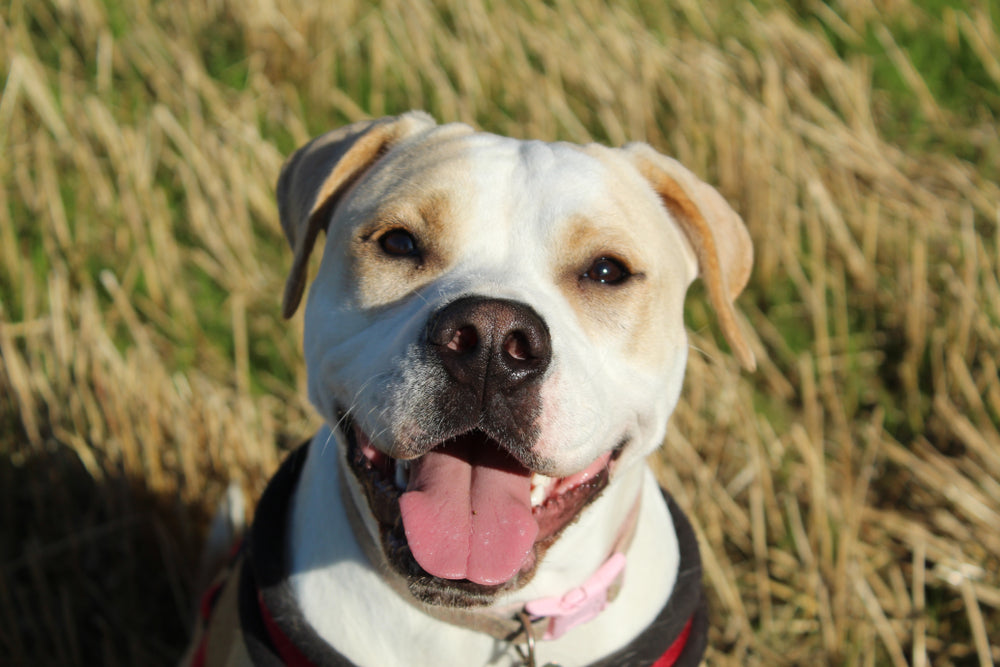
(940, 40)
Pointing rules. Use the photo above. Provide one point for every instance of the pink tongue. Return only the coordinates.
(467, 512)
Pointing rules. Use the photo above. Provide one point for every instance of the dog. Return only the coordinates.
(495, 342)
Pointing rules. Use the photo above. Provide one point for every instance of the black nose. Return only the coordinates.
(490, 344)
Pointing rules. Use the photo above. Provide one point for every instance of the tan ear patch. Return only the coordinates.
(716, 233)
(315, 177)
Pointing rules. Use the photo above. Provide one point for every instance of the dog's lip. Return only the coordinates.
(555, 503)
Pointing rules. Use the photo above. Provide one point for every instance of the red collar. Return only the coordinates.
(285, 647)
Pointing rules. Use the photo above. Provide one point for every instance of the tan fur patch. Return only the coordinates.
(382, 278)
(631, 313)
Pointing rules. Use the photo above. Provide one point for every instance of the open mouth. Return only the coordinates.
(467, 520)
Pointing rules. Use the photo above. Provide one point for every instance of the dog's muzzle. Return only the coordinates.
(467, 514)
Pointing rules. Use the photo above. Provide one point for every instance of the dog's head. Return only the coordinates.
(496, 328)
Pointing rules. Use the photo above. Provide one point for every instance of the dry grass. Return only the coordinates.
(847, 496)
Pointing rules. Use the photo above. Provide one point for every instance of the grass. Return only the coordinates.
(847, 495)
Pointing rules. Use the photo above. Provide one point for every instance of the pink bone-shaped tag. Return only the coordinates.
(580, 604)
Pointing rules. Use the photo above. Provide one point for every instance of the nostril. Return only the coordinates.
(464, 339)
(480, 342)
(517, 346)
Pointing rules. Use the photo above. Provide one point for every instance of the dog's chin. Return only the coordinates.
(554, 504)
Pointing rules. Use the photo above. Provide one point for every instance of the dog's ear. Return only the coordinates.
(715, 231)
(315, 177)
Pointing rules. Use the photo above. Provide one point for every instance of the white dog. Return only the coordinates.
(495, 341)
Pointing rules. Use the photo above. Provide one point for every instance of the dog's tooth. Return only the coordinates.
(540, 486)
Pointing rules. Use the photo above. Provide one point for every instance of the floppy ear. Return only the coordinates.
(716, 232)
(315, 177)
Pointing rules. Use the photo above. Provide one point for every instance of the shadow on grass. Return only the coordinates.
(92, 571)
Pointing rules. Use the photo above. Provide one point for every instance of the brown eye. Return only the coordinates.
(607, 271)
(398, 243)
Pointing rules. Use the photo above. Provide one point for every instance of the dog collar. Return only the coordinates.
(275, 633)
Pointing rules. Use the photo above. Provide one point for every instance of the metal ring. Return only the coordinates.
(529, 634)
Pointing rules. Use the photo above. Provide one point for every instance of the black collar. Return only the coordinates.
(276, 633)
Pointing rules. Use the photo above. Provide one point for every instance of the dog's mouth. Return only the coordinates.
(467, 520)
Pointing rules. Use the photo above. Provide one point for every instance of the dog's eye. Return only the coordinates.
(398, 243)
(607, 271)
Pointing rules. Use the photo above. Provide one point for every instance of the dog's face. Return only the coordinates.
(496, 329)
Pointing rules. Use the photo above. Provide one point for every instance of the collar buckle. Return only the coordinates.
(582, 603)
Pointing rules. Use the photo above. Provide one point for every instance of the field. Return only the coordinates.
(846, 495)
